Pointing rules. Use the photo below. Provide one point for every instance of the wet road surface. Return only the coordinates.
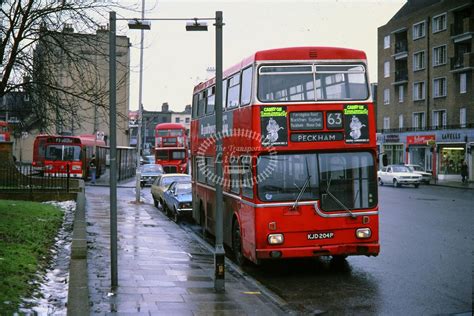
(425, 264)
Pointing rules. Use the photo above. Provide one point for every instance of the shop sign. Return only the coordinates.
(392, 138)
(419, 139)
(451, 136)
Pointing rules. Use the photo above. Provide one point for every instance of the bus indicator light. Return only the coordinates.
(275, 239)
(363, 233)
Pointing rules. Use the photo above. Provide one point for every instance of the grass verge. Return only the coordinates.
(27, 232)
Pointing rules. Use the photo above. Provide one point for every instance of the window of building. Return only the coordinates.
(418, 30)
(439, 23)
(439, 87)
(439, 118)
(462, 117)
(186, 120)
(419, 60)
(462, 83)
(386, 122)
(439, 55)
(386, 96)
(400, 121)
(177, 120)
(401, 93)
(418, 90)
(386, 42)
(386, 69)
(418, 120)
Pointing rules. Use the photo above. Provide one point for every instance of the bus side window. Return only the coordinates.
(247, 178)
(234, 175)
(202, 103)
(246, 92)
(195, 106)
(233, 91)
(224, 93)
(210, 100)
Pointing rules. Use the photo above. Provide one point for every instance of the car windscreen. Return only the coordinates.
(168, 180)
(152, 169)
(183, 188)
(400, 169)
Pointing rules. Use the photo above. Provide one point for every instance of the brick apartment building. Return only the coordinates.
(425, 112)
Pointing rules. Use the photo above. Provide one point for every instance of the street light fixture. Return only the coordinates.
(219, 254)
(137, 24)
(196, 26)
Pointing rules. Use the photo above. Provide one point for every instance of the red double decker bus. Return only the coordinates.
(299, 155)
(4, 132)
(171, 147)
(53, 155)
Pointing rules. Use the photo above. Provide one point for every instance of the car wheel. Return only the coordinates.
(380, 182)
(395, 183)
(237, 244)
(416, 185)
(161, 205)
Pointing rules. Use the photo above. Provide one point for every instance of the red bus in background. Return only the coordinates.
(299, 155)
(171, 147)
(52, 154)
(4, 132)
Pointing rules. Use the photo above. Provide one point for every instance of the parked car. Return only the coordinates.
(398, 175)
(149, 159)
(425, 176)
(178, 200)
(148, 173)
(162, 183)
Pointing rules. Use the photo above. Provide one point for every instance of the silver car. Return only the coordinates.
(425, 176)
(398, 175)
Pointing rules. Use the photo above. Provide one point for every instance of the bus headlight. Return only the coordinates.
(363, 233)
(76, 167)
(275, 239)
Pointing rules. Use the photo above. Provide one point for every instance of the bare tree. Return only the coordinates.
(45, 52)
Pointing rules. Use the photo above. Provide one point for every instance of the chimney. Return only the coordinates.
(68, 28)
(165, 107)
(187, 109)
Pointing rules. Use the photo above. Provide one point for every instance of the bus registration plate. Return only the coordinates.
(314, 236)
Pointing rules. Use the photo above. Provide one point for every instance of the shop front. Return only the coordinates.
(393, 149)
(420, 150)
(453, 148)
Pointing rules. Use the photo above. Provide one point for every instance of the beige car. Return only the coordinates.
(162, 183)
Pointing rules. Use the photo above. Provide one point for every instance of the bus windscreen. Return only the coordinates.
(63, 152)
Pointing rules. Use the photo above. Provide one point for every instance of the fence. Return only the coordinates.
(26, 178)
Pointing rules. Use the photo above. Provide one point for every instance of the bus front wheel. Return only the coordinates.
(237, 244)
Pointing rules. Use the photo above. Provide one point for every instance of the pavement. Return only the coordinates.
(163, 268)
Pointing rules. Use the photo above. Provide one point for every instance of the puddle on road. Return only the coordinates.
(51, 296)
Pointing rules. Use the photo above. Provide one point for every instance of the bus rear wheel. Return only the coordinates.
(237, 244)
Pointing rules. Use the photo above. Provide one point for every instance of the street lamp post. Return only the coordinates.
(219, 254)
(140, 109)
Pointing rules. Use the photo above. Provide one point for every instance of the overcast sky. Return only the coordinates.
(176, 60)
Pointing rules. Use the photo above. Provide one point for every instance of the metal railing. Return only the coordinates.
(27, 178)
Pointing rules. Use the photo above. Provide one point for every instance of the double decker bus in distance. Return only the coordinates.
(299, 155)
(55, 154)
(171, 147)
(4, 132)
